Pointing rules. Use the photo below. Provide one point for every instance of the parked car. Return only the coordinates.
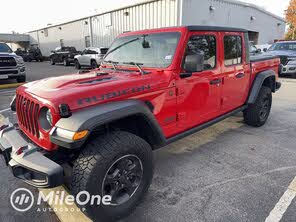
(90, 57)
(63, 55)
(12, 66)
(154, 87)
(254, 50)
(286, 50)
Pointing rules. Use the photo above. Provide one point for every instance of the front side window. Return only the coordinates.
(206, 45)
(154, 50)
(232, 50)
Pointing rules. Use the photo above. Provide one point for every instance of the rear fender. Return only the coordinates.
(267, 78)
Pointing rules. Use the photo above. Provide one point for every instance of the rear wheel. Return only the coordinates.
(66, 62)
(52, 61)
(118, 164)
(94, 64)
(257, 114)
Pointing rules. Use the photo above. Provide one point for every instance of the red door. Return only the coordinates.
(199, 96)
(236, 72)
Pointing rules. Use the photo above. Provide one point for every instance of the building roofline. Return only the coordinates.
(235, 2)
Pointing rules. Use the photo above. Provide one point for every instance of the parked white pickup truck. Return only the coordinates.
(90, 57)
(11, 65)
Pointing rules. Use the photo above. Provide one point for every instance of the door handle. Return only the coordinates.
(215, 81)
(239, 75)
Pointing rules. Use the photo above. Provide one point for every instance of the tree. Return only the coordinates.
(291, 20)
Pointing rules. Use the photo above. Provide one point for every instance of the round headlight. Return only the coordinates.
(45, 118)
(49, 117)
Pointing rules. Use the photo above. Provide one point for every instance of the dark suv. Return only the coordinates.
(63, 55)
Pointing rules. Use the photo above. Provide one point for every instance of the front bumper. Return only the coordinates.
(12, 72)
(289, 69)
(26, 160)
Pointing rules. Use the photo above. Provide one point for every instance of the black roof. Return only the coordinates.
(214, 28)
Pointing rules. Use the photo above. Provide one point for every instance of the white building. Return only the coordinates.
(100, 30)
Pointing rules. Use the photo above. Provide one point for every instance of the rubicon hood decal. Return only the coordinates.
(110, 95)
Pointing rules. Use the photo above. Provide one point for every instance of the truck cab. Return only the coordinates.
(12, 66)
(154, 87)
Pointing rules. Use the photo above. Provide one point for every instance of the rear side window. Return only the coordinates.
(205, 44)
(232, 50)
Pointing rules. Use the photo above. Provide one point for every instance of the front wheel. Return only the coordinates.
(21, 79)
(257, 114)
(118, 164)
(77, 64)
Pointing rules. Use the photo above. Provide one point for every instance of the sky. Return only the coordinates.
(26, 15)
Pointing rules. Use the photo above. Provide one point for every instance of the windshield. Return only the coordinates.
(283, 46)
(153, 50)
(5, 48)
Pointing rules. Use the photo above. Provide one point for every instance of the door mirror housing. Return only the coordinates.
(194, 63)
(258, 50)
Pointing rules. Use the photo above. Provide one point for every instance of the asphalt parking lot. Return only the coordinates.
(228, 172)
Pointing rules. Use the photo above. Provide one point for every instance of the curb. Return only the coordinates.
(11, 85)
(64, 212)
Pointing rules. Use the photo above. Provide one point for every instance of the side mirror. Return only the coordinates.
(265, 50)
(194, 63)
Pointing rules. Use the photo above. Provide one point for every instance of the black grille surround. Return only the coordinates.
(27, 112)
(6, 61)
(284, 60)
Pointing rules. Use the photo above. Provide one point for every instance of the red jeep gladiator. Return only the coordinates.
(154, 87)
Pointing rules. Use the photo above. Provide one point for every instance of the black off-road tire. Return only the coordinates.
(21, 79)
(257, 114)
(94, 162)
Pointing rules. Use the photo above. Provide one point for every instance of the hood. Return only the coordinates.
(8, 54)
(282, 53)
(82, 90)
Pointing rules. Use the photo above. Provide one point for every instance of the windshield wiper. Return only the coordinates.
(123, 44)
(138, 65)
(112, 63)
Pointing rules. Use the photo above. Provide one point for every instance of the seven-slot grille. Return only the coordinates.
(284, 60)
(27, 113)
(7, 61)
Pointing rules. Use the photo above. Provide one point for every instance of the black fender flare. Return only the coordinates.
(258, 82)
(94, 117)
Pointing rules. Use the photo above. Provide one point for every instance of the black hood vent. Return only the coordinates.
(94, 81)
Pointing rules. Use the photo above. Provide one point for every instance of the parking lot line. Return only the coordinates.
(11, 85)
(65, 213)
(280, 208)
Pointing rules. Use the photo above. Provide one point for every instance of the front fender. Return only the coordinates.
(91, 118)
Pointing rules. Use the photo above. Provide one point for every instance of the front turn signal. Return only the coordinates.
(80, 135)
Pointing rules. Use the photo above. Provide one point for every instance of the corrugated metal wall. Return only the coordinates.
(233, 14)
(156, 14)
(73, 34)
(149, 15)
